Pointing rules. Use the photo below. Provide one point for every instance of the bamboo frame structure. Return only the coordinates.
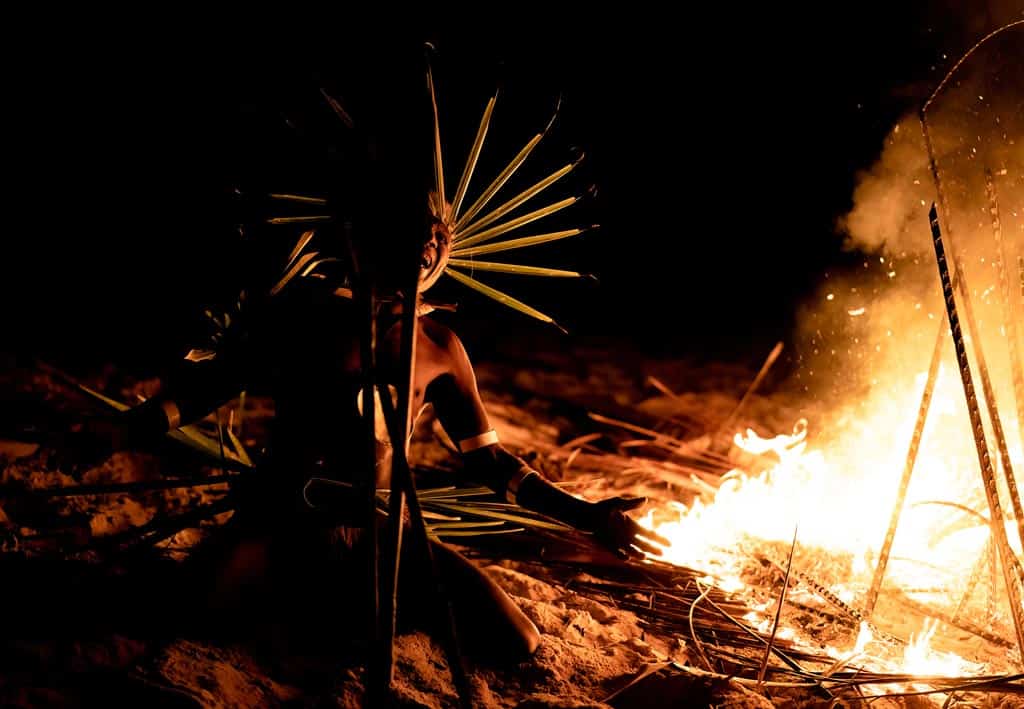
(1012, 581)
(933, 369)
(1009, 315)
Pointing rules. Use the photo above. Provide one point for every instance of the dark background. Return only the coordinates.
(724, 144)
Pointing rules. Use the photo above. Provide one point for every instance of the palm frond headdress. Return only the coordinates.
(474, 230)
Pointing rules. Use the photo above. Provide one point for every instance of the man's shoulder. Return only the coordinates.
(440, 334)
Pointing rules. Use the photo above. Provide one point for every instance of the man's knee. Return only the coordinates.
(531, 640)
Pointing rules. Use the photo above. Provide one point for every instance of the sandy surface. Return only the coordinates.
(590, 651)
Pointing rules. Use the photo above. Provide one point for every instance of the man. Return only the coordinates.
(303, 349)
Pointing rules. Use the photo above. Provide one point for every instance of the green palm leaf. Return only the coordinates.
(502, 298)
(498, 182)
(189, 435)
(517, 222)
(438, 161)
(303, 199)
(520, 243)
(293, 271)
(514, 268)
(519, 199)
(299, 220)
(299, 246)
(474, 155)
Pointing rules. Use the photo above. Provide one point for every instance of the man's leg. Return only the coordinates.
(490, 625)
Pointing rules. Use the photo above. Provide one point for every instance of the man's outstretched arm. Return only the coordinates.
(191, 393)
(457, 402)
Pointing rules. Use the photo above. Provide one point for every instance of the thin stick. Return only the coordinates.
(696, 641)
(677, 446)
(908, 471)
(993, 580)
(778, 614)
(972, 582)
(761, 374)
(830, 596)
(790, 662)
(338, 109)
(399, 422)
(1009, 321)
(378, 677)
(403, 475)
(663, 388)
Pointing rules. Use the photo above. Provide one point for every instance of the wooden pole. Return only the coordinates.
(908, 471)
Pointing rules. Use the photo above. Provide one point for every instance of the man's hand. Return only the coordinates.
(610, 525)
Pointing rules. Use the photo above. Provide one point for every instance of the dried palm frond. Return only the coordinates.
(515, 269)
(459, 512)
(512, 224)
(189, 435)
(302, 199)
(516, 201)
(474, 155)
(502, 298)
(301, 219)
(470, 227)
(522, 242)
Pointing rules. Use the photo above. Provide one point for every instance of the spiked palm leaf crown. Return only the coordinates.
(479, 229)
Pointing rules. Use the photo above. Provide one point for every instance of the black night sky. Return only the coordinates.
(724, 145)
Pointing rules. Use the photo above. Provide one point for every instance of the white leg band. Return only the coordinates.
(515, 482)
(487, 438)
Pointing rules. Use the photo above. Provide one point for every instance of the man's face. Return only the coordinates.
(435, 255)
